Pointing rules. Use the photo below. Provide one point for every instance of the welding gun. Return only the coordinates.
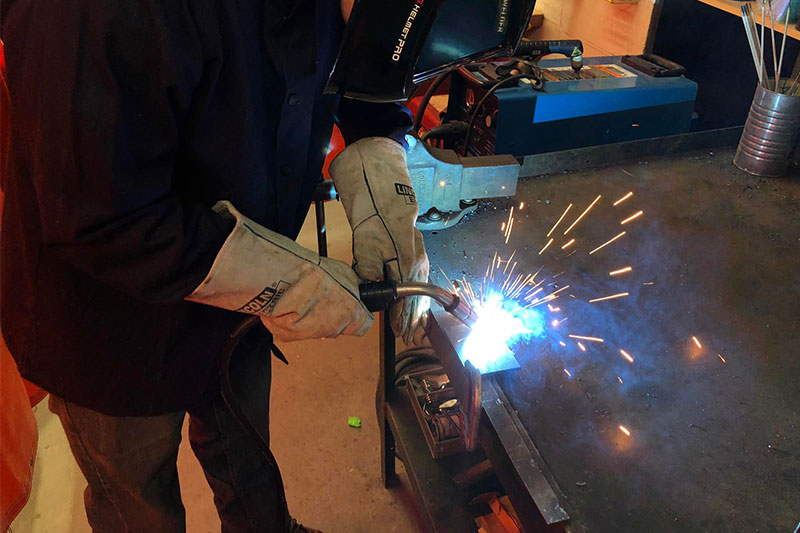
(378, 296)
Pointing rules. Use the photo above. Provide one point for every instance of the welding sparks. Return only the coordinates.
(583, 214)
(583, 338)
(521, 205)
(503, 228)
(620, 271)
(553, 309)
(559, 220)
(581, 346)
(625, 430)
(501, 323)
(607, 243)
(570, 243)
(620, 295)
(626, 355)
(632, 217)
(623, 198)
(620, 379)
(697, 342)
(562, 343)
(546, 246)
(567, 372)
(510, 226)
(510, 217)
(721, 358)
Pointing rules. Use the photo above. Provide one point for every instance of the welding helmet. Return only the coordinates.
(391, 45)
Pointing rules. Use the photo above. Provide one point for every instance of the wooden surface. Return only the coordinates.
(733, 7)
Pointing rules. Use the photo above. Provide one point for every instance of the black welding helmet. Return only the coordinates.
(391, 45)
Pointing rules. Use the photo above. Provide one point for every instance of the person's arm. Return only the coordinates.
(105, 93)
(359, 120)
(102, 92)
(372, 180)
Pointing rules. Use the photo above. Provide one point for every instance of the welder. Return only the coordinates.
(163, 158)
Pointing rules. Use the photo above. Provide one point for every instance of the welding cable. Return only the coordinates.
(492, 89)
(226, 389)
(402, 367)
(448, 129)
(413, 360)
(426, 98)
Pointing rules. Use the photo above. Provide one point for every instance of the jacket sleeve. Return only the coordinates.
(104, 91)
(359, 120)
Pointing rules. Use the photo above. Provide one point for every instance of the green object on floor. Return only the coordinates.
(354, 421)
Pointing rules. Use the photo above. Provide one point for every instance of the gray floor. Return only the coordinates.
(330, 469)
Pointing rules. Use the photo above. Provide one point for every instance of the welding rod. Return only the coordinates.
(380, 295)
(774, 51)
(783, 46)
(752, 38)
(761, 44)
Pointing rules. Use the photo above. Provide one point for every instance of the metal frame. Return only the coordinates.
(515, 459)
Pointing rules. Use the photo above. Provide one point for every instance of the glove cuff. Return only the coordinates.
(253, 269)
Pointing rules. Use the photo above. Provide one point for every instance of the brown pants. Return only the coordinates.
(130, 462)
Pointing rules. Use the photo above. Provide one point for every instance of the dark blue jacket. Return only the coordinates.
(129, 120)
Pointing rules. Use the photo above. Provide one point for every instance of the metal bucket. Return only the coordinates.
(770, 134)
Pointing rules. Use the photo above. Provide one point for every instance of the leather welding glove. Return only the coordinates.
(372, 180)
(298, 294)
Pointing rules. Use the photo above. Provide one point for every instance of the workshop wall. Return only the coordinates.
(605, 28)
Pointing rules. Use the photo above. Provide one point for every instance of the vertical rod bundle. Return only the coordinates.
(756, 41)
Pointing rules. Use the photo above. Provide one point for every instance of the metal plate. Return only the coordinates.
(714, 446)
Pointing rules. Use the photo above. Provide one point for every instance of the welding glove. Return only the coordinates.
(298, 294)
(372, 180)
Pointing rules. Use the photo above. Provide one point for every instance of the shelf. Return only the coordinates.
(733, 7)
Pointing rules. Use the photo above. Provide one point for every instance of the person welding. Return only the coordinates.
(163, 157)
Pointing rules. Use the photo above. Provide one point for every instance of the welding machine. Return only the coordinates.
(609, 100)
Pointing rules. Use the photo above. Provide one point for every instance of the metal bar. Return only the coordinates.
(594, 156)
(385, 387)
(526, 467)
(322, 240)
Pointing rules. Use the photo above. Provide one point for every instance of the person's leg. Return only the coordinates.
(246, 487)
(130, 466)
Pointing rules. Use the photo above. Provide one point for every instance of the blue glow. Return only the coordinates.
(501, 324)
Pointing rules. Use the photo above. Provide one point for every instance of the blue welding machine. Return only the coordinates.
(607, 101)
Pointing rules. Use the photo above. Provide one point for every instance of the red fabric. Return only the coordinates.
(335, 146)
(35, 394)
(18, 433)
(18, 440)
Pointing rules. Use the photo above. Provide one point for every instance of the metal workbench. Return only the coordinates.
(714, 445)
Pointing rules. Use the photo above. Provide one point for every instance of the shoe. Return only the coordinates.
(300, 528)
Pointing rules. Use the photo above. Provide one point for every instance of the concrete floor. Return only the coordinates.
(331, 470)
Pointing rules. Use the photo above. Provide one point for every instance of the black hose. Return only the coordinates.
(448, 129)
(426, 98)
(235, 407)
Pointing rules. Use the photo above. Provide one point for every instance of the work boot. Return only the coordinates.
(300, 528)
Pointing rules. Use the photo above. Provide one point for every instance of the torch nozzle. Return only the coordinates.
(379, 295)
